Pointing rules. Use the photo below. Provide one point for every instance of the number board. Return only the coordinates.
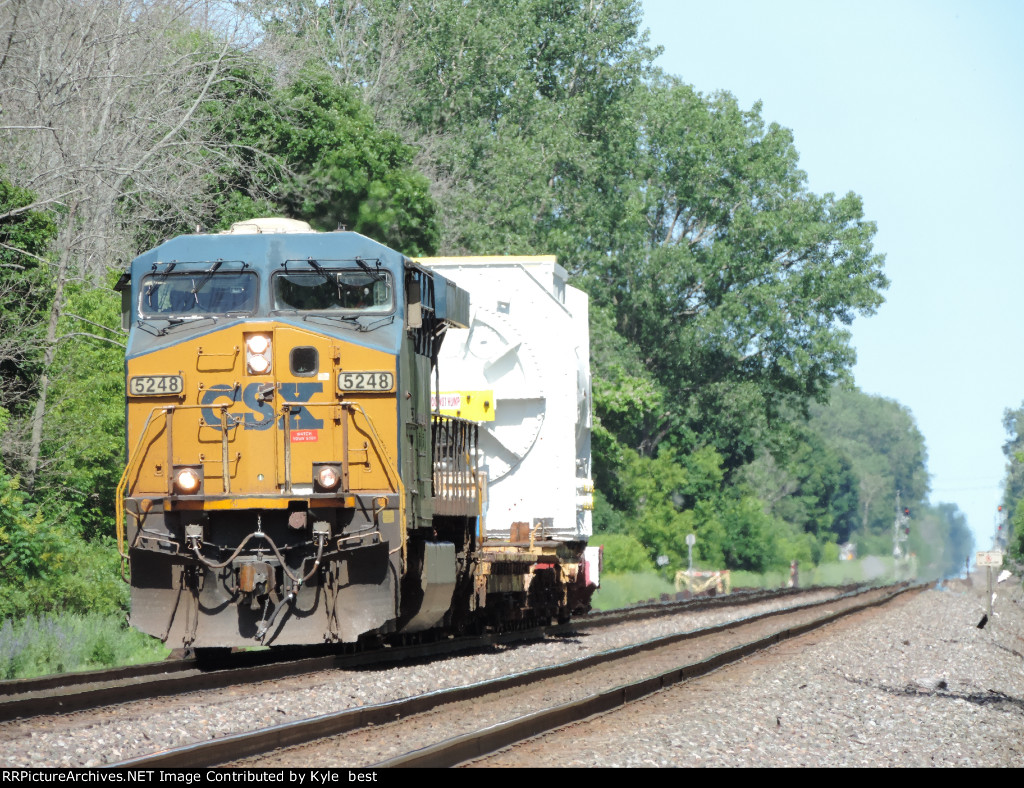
(156, 385)
(366, 381)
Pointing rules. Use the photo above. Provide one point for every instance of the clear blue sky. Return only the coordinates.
(918, 106)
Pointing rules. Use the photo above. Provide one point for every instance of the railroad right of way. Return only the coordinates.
(921, 686)
(114, 734)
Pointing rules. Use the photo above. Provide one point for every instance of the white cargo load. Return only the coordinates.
(522, 369)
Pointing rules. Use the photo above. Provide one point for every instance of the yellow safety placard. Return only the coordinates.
(472, 405)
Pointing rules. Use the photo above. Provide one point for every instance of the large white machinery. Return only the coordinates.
(522, 369)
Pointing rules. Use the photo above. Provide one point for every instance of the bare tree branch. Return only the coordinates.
(35, 206)
(21, 251)
(92, 336)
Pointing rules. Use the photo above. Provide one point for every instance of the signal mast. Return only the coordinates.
(900, 530)
(1000, 540)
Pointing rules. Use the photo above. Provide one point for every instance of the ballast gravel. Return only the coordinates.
(917, 683)
(920, 686)
(115, 734)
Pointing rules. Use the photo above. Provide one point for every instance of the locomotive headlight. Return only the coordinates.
(257, 354)
(187, 481)
(258, 344)
(328, 477)
(259, 364)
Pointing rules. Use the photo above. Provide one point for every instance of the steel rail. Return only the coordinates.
(478, 745)
(64, 680)
(38, 696)
(72, 692)
(254, 743)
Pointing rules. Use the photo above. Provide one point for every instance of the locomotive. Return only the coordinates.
(296, 473)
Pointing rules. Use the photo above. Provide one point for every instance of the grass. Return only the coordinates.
(619, 590)
(67, 643)
(870, 569)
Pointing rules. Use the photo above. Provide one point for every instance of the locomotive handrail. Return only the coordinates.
(166, 410)
(380, 446)
(132, 465)
(389, 464)
(122, 484)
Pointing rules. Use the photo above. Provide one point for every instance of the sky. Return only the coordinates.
(917, 106)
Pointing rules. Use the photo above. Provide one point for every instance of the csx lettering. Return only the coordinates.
(301, 418)
(260, 414)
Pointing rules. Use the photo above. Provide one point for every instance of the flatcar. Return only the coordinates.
(296, 473)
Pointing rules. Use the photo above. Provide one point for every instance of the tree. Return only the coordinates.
(814, 489)
(1013, 484)
(733, 279)
(25, 295)
(101, 120)
(623, 554)
(85, 443)
(544, 128)
(326, 160)
(512, 105)
(887, 454)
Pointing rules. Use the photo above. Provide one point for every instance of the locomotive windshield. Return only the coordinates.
(327, 290)
(198, 293)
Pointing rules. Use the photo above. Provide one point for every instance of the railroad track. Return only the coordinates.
(73, 692)
(486, 716)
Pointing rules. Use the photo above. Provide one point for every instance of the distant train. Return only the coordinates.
(306, 464)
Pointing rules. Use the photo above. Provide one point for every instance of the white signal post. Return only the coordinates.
(900, 529)
(989, 559)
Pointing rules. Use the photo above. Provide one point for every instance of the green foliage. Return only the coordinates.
(628, 401)
(47, 567)
(321, 158)
(751, 535)
(44, 645)
(811, 486)
(26, 290)
(69, 575)
(671, 497)
(519, 106)
(729, 277)
(1013, 485)
(26, 545)
(85, 440)
(886, 452)
(623, 554)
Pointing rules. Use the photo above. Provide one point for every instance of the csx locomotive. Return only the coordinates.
(291, 477)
